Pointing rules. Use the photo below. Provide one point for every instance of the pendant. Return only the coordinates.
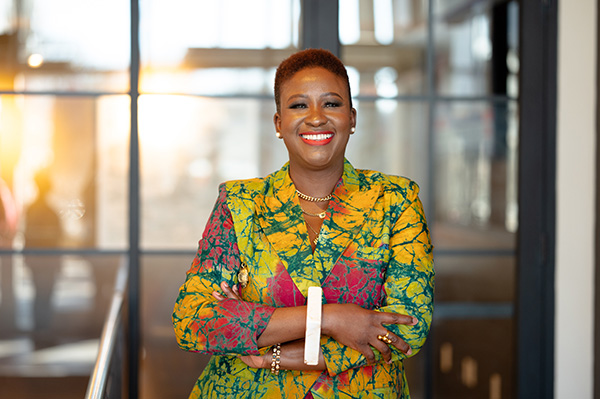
(243, 276)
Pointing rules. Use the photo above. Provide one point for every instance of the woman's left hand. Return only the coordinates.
(230, 293)
(257, 362)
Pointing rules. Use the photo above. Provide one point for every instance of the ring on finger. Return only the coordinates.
(385, 338)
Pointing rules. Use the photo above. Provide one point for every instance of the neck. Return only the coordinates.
(316, 183)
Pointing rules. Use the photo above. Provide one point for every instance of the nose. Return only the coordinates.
(315, 117)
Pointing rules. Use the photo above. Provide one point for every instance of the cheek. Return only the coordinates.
(290, 122)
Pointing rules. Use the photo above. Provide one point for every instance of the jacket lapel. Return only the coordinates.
(348, 210)
(281, 219)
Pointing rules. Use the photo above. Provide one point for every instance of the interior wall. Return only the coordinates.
(576, 189)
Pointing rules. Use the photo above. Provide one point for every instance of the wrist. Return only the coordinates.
(326, 319)
(275, 362)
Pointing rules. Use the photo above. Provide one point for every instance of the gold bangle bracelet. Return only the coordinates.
(276, 360)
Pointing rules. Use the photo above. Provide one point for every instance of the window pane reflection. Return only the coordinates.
(201, 143)
(474, 278)
(64, 45)
(476, 46)
(475, 360)
(218, 47)
(385, 42)
(52, 312)
(64, 165)
(391, 137)
(476, 178)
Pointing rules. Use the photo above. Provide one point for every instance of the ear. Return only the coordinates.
(277, 122)
(353, 117)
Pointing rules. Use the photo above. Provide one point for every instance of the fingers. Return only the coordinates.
(384, 349)
(399, 343)
(218, 296)
(368, 353)
(229, 293)
(256, 362)
(384, 341)
(397, 318)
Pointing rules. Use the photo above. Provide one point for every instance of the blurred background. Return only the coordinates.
(118, 120)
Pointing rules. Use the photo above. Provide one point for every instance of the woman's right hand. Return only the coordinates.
(358, 328)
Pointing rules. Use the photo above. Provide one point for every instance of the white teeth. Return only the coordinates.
(317, 137)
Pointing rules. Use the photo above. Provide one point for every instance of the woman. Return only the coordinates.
(317, 222)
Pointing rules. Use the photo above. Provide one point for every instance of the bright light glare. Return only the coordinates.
(35, 60)
(354, 79)
(385, 81)
(384, 21)
(168, 34)
(349, 18)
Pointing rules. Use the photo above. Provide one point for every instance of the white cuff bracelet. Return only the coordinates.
(312, 340)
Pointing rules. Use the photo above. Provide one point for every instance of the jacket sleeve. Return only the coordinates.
(201, 322)
(408, 286)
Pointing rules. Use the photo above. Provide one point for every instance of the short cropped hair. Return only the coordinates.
(309, 58)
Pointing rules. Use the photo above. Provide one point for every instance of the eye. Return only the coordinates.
(333, 104)
(297, 105)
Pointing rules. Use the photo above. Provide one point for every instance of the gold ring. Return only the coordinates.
(385, 338)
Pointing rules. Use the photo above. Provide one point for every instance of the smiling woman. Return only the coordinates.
(317, 222)
(315, 120)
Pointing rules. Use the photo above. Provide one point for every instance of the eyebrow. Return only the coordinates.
(329, 93)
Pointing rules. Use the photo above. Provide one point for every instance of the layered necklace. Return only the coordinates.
(320, 215)
(313, 199)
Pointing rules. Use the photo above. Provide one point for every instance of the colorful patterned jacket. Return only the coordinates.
(374, 250)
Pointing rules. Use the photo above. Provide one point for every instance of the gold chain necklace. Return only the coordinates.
(321, 215)
(312, 199)
(316, 234)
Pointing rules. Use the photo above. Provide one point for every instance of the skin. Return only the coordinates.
(316, 100)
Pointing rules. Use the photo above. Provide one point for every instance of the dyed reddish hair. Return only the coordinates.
(309, 58)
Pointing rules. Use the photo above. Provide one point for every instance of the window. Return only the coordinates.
(436, 88)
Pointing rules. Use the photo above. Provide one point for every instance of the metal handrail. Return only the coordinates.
(108, 340)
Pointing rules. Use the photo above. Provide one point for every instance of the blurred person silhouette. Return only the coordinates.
(42, 231)
(8, 229)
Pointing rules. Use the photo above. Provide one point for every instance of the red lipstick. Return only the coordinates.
(317, 138)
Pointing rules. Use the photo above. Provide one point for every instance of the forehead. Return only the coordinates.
(314, 78)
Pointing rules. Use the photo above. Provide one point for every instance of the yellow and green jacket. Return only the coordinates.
(373, 250)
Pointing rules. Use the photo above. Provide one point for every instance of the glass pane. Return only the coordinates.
(63, 168)
(188, 146)
(216, 47)
(166, 371)
(384, 44)
(391, 137)
(52, 313)
(65, 45)
(474, 358)
(475, 278)
(475, 175)
(476, 46)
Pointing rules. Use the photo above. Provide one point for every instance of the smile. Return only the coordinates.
(317, 138)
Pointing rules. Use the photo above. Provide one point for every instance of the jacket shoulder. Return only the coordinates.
(244, 188)
(389, 183)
